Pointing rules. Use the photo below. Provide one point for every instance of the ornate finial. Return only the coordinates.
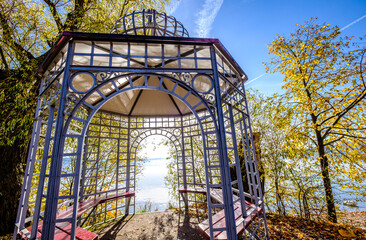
(149, 23)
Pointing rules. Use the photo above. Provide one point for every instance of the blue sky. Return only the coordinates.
(246, 27)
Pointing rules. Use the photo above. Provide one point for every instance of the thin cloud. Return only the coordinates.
(354, 22)
(255, 78)
(207, 16)
(172, 7)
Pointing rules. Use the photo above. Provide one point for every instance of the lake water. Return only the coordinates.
(151, 188)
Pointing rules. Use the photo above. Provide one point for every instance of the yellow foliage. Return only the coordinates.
(324, 75)
(30, 28)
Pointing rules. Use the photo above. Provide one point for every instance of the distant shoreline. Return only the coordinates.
(154, 159)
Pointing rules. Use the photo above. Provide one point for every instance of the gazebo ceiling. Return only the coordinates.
(146, 102)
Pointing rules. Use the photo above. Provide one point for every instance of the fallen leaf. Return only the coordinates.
(346, 233)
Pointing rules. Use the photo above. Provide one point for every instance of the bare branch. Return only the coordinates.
(123, 12)
(8, 34)
(348, 135)
(3, 59)
(346, 110)
(361, 72)
(350, 129)
(55, 14)
(335, 140)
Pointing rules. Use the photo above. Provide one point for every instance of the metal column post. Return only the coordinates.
(49, 222)
(128, 166)
(224, 161)
(83, 173)
(185, 195)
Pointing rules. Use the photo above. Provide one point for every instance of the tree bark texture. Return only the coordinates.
(12, 162)
(324, 166)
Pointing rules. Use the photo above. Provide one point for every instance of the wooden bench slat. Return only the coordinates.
(80, 233)
(219, 221)
(63, 232)
(218, 196)
(193, 190)
(90, 203)
(222, 235)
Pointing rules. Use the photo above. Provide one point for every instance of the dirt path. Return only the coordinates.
(152, 225)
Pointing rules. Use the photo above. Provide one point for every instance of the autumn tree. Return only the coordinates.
(292, 181)
(28, 30)
(324, 76)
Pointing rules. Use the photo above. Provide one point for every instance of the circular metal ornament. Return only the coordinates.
(202, 83)
(82, 82)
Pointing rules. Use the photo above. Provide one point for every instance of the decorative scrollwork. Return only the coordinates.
(210, 98)
(184, 77)
(102, 76)
(205, 91)
(134, 133)
(71, 100)
(49, 97)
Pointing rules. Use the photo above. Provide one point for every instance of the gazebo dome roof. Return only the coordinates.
(149, 23)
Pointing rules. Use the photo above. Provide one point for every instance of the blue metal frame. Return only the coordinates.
(224, 161)
(49, 221)
(214, 116)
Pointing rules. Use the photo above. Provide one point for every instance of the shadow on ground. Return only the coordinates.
(152, 225)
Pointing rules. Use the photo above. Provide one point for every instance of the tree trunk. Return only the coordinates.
(324, 165)
(12, 162)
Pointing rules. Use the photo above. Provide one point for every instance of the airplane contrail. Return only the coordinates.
(255, 78)
(345, 27)
(356, 21)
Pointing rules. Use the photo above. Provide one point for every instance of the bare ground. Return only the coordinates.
(152, 225)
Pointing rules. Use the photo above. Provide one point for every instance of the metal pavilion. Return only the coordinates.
(102, 94)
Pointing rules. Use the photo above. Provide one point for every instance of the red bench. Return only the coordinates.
(63, 230)
(218, 220)
(84, 206)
